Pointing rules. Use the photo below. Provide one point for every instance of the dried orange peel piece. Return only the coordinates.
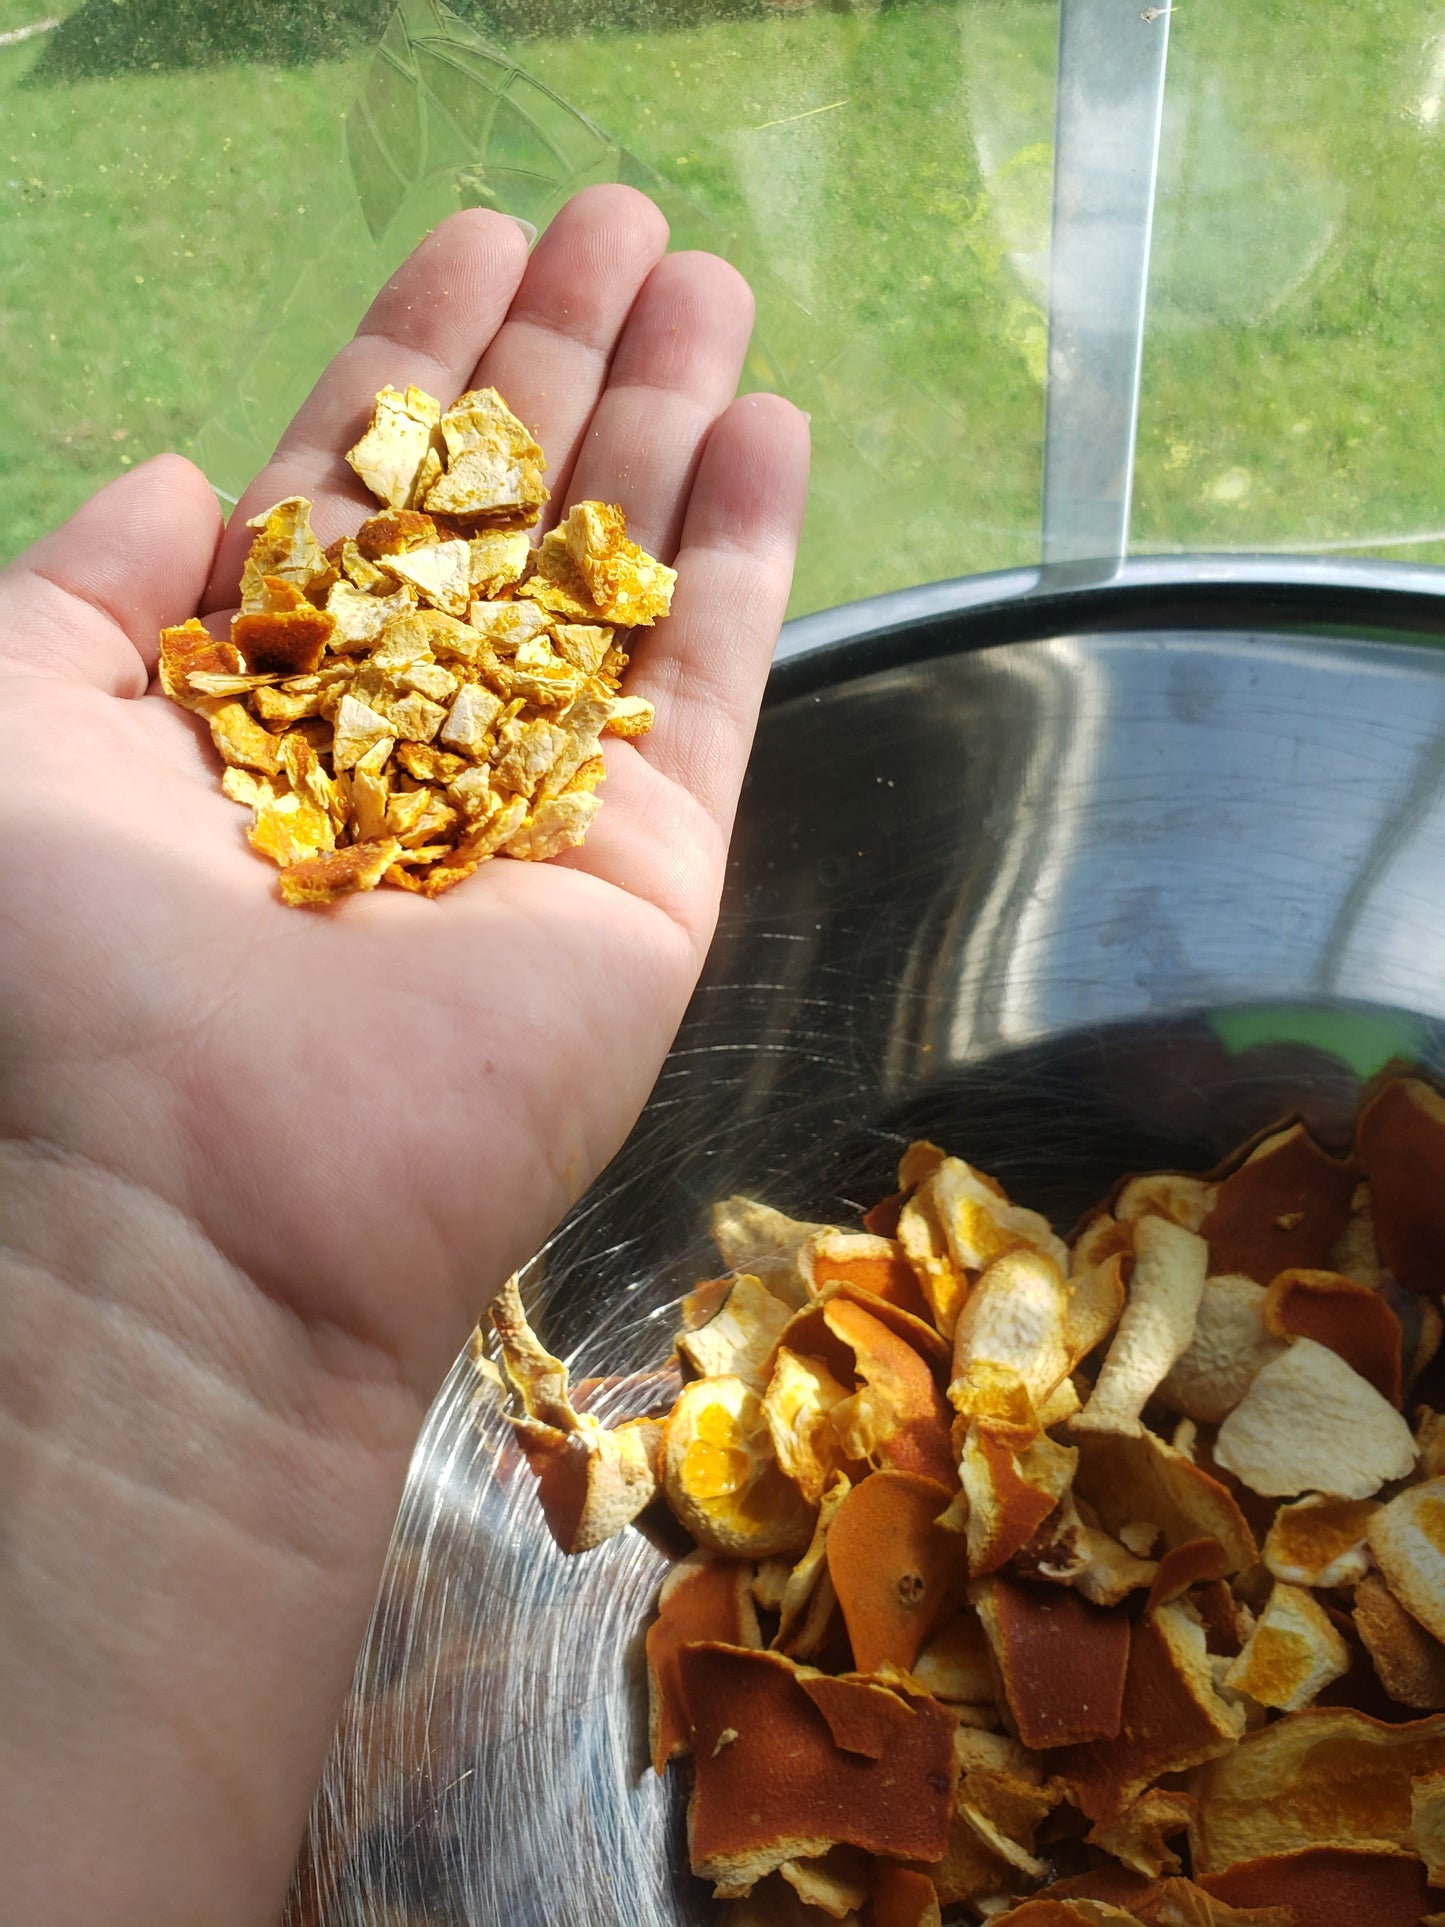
(1408, 1540)
(1230, 1343)
(1283, 1207)
(1351, 1319)
(414, 655)
(722, 1478)
(1293, 1653)
(1408, 1661)
(903, 1898)
(1321, 1887)
(1309, 1423)
(592, 1481)
(1155, 1328)
(1401, 1140)
(1322, 1778)
(1034, 1552)
(1320, 1541)
(1139, 1837)
(703, 1597)
(1062, 1662)
(741, 1336)
(1011, 1332)
(1172, 1717)
(897, 1419)
(772, 1784)
(896, 1571)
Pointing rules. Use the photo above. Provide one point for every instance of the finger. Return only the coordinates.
(705, 667)
(549, 360)
(89, 600)
(428, 326)
(676, 368)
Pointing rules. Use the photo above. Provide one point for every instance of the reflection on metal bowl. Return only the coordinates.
(1071, 883)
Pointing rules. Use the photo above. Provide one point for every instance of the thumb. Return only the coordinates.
(89, 599)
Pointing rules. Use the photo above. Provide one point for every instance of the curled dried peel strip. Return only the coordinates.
(808, 1595)
(753, 1237)
(904, 1898)
(1427, 1823)
(739, 1340)
(1155, 1328)
(896, 1419)
(592, 1481)
(1009, 1492)
(1138, 1837)
(1351, 1319)
(798, 1406)
(838, 1883)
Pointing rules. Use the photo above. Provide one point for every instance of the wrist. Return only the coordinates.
(198, 1489)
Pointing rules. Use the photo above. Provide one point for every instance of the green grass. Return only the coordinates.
(1293, 389)
(182, 247)
(141, 226)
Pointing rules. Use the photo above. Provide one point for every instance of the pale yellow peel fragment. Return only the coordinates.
(284, 547)
(494, 467)
(1229, 1345)
(398, 456)
(626, 585)
(438, 573)
(740, 1337)
(1155, 1328)
(754, 1237)
(1013, 1320)
(1408, 1541)
(1293, 1653)
(1427, 1823)
(798, 1404)
(1308, 1423)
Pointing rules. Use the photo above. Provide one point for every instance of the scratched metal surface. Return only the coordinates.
(1031, 899)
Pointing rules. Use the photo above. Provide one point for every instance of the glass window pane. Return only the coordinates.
(1291, 395)
(195, 229)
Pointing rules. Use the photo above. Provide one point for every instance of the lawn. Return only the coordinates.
(183, 245)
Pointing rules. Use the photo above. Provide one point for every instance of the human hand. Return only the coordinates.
(260, 1168)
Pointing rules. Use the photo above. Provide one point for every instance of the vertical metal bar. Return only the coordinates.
(1106, 159)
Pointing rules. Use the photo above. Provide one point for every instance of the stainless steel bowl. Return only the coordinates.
(1075, 883)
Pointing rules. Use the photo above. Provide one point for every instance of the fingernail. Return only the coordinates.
(805, 415)
(526, 226)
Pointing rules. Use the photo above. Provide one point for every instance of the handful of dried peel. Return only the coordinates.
(433, 691)
(1025, 1569)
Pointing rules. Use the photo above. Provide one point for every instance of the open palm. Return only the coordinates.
(325, 1137)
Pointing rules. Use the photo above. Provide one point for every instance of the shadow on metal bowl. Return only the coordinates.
(1073, 882)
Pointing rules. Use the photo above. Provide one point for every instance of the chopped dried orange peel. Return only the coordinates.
(1034, 1582)
(420, 698)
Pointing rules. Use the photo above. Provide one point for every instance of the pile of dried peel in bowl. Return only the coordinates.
(1055, 1585)
(432, 692)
